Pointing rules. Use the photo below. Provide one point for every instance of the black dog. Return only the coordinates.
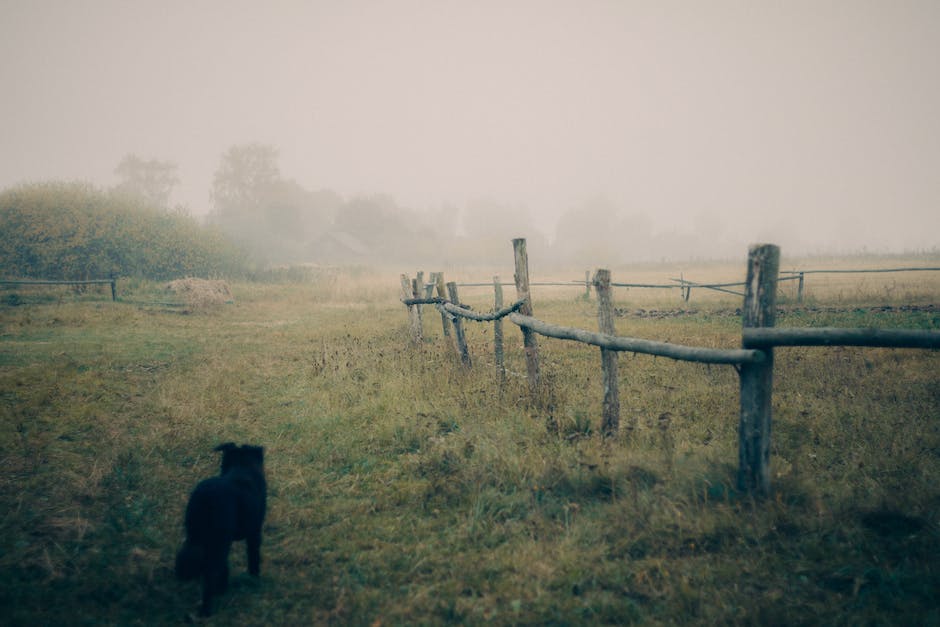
(221, 510)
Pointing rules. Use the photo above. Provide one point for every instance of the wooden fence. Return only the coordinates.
(754, 361)
(112, 281)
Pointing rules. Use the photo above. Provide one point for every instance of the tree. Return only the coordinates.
(244, 173)
(292, 218)
(374, 219)
(150, 180)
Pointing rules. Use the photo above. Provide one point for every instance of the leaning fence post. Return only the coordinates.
(442, 293)
(760, 301)
(498, 332)
(458, 327)
(529, 339)
(610, 422)
(407, 291)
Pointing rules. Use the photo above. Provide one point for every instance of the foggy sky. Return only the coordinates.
(812, 124)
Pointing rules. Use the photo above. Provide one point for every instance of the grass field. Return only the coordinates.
(405, 489)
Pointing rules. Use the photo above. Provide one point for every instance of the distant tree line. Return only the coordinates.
(279, 222)
(259, 219)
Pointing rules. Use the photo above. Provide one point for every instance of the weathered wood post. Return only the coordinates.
(760, 302)
(498, 332)
(684, 290)
(462, 349)
(407, 291)
(799, 291)
(429, 286)
(529, 340)
(113, 289)
(610, 421)
(417, 288)
(442, 293)
(587, 285)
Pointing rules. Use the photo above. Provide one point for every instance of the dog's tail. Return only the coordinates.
(189, 561)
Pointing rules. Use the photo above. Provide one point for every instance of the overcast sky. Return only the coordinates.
(811, 123)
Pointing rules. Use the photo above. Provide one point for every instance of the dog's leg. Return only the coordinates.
(215, 580)
(253, 544)
(207, 588)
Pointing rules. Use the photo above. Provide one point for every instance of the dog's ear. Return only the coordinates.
(229, 452)
(254, 453)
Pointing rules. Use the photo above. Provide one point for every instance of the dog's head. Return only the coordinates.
(245, 456)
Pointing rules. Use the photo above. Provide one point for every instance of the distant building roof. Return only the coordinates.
(340, 245)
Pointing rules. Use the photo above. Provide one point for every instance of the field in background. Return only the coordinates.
(406, 490)
(830, 290)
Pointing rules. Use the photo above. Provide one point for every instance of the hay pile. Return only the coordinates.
(200, 294)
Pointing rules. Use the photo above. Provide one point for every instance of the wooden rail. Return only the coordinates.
(636, 345)
(754, 361)
(112, 282)
(828, 336)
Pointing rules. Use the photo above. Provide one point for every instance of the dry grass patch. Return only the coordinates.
(201, 294)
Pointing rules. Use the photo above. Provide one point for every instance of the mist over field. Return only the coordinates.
(214, 215)
(603, 132)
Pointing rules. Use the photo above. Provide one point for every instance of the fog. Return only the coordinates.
(708, 125)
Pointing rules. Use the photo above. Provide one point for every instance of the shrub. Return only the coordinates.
(73, 230)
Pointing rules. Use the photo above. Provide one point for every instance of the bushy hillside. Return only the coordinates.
(60, 230)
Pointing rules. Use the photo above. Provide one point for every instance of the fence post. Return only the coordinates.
(417, 288)
(760, 301)
(587, 285)
(610, 422)
(799, 292)
(458, 327)
(684, 290)
(498, 332)
(529, 340)
(113, 289)
(442, 293)
(407, 291)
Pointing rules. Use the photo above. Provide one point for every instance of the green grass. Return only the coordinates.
(405, 489)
